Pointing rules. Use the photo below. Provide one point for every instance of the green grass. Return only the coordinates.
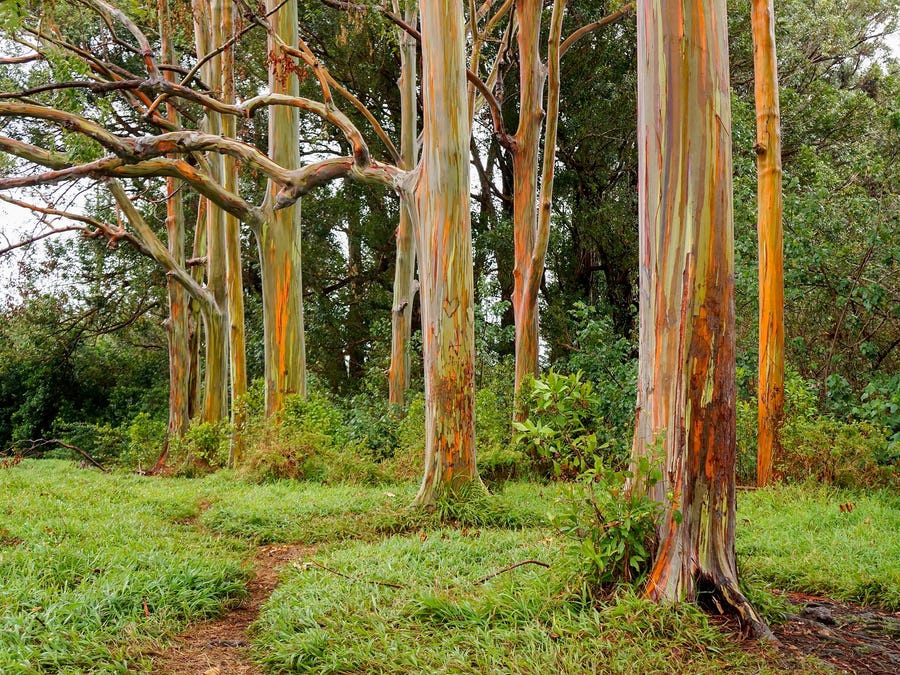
(81, 552)
(441, 620)
(797, 538)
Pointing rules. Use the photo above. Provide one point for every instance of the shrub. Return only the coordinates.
(558, 434)
(839, 453)
(145, 440)
(612, 521)
(814, 445)
(203, 448)
(282, 454)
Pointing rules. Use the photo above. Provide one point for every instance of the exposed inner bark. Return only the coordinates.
(686, 372)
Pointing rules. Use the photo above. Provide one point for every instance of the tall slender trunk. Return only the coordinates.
(279, 236)
(234, 288)
(215, 403)
(198, 250)
(686, 376)
(771, 264)
(178, 321)
(444, 242)
(355, 327)
(405, 265)
(526, 150)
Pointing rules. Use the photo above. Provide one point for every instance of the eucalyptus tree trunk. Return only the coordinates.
(771, 263)
(686, 374)
(531, 210)
(279, 236)
(178, 321)
(215, 401)
(444, 243)
(405, 265)
(223, 24)
(525, 153)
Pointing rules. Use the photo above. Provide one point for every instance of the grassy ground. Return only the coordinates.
(95, 570)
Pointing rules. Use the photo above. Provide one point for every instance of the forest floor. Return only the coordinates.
(852, 638)
(221, 646)
(119, 572)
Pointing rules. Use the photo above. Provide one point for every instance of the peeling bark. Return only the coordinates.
(279, 236)
(686, 375)
(444, 242)
(405, 265)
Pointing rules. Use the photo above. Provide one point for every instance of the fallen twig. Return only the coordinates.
(511, 567)
(351, 578)
(39, 443)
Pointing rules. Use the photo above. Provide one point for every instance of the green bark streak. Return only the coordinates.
(279, 236)
(444, 241)
(686, 378)
(405, 264)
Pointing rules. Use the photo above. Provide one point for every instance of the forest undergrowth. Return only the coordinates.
(100, 571)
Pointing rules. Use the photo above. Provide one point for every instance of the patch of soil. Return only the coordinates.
(221, 646)
(853, 639)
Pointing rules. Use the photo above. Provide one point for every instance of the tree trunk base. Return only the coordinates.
(723, 596)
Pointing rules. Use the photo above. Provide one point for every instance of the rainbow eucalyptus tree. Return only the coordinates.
(405, 263)
(531, 203)
(444, 243)
(178, 324)
(686, 372)
(770, 396)
(279, 235)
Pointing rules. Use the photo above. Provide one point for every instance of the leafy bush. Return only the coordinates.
(282, 454)
(815, 445)
(203, 448)
(612, 521)
(839, 453)
(558, 433)
(609, 362)
(307, 442)
(145, 440)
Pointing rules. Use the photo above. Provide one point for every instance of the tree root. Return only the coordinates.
(724, 597)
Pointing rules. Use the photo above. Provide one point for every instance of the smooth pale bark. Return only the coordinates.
(444, 243)
(178, 321)
(197, 273)
(234, 288)
(215, 397)
(531, 212)
(686, 374)
(769, 227)
(279, 236)
(405, 264)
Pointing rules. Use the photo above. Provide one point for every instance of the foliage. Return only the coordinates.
(843, 452)
(833, 452)
(102, 569)
(558, 433)
(613, 522)
(609, 362)
(203, 448)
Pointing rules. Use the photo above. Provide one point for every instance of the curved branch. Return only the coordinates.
(584, 30)
(34, 154)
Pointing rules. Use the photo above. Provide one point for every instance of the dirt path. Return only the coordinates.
(852, 638)
(220, 647)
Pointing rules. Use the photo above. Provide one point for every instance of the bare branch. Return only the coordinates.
(584, 30)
